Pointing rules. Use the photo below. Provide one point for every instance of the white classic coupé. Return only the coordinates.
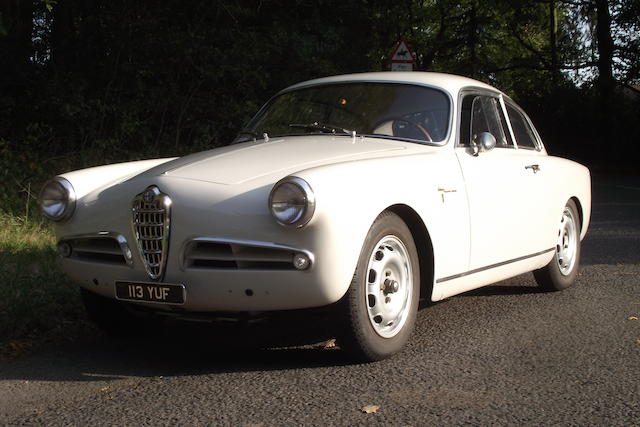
(362, 192)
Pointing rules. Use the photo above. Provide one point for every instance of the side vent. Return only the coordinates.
(103, 247)
(220, 255)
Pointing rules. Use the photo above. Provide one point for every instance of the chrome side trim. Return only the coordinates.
(187, 244)
(489, 267)
(122, 241)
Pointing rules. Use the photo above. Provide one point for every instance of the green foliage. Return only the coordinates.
(118, 80)
(49, 4)
(89, 82)
(36, 299)
(3, 26)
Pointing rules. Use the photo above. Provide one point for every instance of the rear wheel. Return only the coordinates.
(379, 310)
(562, 270)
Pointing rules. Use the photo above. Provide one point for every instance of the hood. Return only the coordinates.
(239, 163)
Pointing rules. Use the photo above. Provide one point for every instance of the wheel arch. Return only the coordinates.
(580, 211)
(423, 245)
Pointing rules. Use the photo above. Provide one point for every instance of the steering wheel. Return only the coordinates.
(415, 125)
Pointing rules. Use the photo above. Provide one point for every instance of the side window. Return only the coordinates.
(525, 138)
(505, 127)
(483, 114)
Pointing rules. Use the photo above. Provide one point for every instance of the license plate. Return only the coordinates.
(166, 293)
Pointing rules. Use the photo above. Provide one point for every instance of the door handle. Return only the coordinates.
(534, 168)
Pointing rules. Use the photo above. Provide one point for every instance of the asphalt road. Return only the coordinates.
(505, 355)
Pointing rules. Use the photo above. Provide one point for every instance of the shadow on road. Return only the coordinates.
(614, 238)
(179, 351)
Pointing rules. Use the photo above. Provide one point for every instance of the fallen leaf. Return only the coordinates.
(370, 409)
(330, 344)
(637, 341)
(104, 388)
(632, 318)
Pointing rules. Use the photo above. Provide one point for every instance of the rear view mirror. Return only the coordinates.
(485, 141)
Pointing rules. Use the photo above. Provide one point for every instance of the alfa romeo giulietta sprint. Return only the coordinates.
(362, 193)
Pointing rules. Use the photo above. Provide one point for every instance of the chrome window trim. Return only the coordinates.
(122, 241)
(186, 245)
(536, 135)
(503, 106)
(444, 141)
(477, 91)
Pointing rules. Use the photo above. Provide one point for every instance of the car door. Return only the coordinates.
(496, 181)
(536, 178)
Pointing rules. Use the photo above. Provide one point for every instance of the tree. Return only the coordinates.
(16, 26)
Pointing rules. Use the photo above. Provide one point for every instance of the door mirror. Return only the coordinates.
(485, 141)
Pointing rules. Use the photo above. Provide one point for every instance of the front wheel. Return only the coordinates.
(378, 312)
(562, 270)
(111, 316)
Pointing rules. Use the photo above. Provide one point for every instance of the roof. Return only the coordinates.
(450, 82)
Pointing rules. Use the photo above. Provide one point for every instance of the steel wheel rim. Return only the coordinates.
(567, 243)
(389, 286)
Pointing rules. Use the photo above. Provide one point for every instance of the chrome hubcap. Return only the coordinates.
(567, 244)
(389, 286)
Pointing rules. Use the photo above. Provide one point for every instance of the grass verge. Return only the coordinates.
(37, 302)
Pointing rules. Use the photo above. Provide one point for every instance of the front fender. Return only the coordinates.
(351, 195)
(85, 181)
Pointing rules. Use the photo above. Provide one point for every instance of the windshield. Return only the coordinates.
(395, 110)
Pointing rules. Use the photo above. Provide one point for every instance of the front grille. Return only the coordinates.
(151, 217)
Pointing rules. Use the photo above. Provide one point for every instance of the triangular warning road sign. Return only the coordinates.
(402, 52)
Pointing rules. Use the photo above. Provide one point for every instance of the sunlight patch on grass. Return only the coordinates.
(36, 299)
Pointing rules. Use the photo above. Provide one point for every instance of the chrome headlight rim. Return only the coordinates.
(310, 204)
(69, 199)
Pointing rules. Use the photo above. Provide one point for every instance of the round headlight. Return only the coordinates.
(292, 202)
(57, 199)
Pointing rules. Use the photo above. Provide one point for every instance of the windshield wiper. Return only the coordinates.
(321, 127)
(239, 138)
(248, 132)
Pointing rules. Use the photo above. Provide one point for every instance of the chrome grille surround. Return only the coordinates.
(151, 219)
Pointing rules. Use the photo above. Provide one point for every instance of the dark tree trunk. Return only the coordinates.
(606, 82)
(439, 39)
(553, 42)
(63, 36)
(16, 48)
(472, 41)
